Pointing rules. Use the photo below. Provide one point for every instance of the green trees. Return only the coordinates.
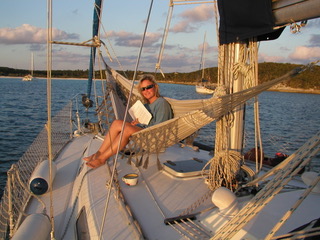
(309, 79)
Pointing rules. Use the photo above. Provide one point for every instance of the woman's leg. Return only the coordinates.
(110, 145)
(114, 130)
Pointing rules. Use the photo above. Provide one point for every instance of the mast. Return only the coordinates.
(203, 56)
(95, 34)
(32, 64)
(237, 128)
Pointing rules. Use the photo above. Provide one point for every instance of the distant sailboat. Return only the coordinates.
(203, 85)
(29, 77)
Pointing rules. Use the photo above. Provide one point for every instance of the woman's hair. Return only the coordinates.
(151, 79)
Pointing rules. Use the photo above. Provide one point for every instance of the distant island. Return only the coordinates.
(308, 81)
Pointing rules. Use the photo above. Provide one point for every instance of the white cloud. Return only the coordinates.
(129, 39)
(266, 58)
(209, 49)
(65, 59)
(193, 17)
(28, 34)
(303, 53)
(183, 26)
(200, 13)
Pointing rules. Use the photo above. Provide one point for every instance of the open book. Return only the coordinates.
(139, 111)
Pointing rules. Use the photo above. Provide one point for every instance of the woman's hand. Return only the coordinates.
(135, 122)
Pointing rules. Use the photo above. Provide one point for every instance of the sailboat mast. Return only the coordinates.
(203, 55)
(237, 128)
(32, 64)
(95, 33)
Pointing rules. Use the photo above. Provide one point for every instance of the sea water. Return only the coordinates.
(287, 119)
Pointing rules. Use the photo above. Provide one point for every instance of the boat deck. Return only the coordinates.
(82, 206)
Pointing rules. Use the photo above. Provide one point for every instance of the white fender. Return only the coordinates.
(226, 201)
(39, 181)
(34, 227)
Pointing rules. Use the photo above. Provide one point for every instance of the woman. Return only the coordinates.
(159, 108)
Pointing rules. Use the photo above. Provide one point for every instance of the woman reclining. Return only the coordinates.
(159, 108)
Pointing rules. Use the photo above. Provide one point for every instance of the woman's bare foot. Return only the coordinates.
(87, 159)
(91, 157)
(95, 163)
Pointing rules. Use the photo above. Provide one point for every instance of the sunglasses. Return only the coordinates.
(147, 87)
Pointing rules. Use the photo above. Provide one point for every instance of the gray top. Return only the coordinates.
(160, 110)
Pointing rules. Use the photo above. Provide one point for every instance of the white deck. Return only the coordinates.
(157, 196)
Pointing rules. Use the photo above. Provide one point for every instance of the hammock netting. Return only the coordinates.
(189, 115)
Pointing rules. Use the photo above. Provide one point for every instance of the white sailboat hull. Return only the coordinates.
(27, 78)
(203, 90)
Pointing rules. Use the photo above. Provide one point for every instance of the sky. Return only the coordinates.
(23, 25)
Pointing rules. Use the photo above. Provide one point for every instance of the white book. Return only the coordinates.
(139, 111)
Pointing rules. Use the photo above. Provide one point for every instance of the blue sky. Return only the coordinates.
(23, 31)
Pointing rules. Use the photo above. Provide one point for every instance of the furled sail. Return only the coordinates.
(95, 33)
(241, 20)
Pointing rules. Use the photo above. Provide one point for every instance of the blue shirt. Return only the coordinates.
(160, 110)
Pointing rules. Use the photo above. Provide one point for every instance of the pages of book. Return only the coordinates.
(139, 111)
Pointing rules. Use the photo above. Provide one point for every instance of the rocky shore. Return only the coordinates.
(294, 90)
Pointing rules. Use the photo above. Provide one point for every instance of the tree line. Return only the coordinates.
(309, 79)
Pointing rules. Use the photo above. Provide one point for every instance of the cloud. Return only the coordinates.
(28, 34)
(192, 18)
(284, 48)
(61, 54)
(64, 59)
(305, 54)
(37, 47)
(315, 40)
(129, 39)
(266, 58)
(75, 12)
(183, 26)
(209, 49)
(176, 61)
(200, 13)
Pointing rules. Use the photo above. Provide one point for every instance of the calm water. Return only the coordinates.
(287, 119)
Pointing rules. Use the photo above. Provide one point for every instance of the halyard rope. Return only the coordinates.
(49, 117)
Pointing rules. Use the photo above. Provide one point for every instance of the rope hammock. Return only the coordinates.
(190, 115)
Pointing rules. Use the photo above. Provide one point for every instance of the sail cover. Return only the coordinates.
(243, 19)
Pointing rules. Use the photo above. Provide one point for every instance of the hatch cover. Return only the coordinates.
(186, 168)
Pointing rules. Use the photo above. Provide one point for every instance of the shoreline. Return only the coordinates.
(295, 90)
(273, 89)
(44, 78)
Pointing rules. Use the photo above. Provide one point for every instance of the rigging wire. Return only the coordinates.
(123, 125)
(164, 38)
(167, 26)
(110, 45)
(49, 125)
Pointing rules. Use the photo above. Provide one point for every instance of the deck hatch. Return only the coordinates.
(186, 168)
